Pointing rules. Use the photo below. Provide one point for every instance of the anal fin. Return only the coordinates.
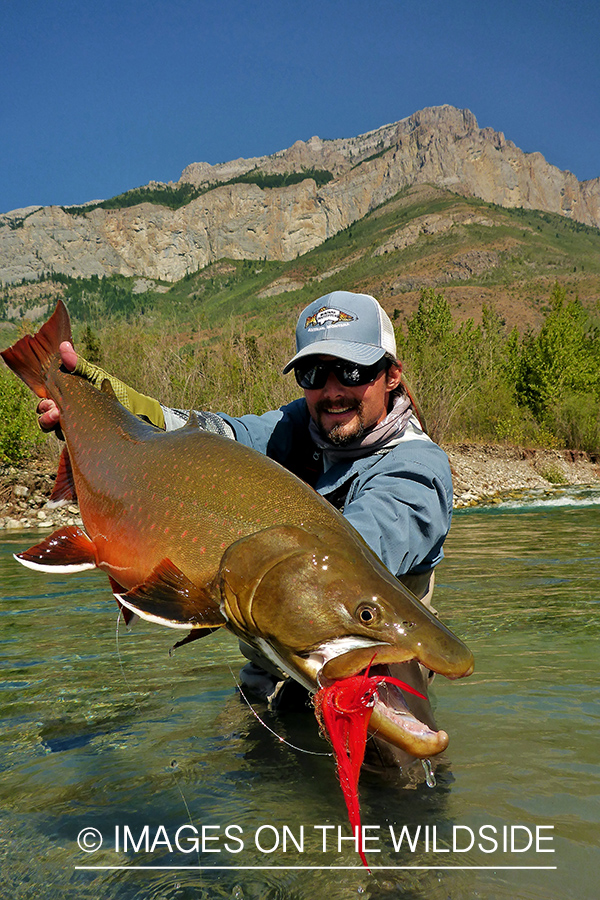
(67, 550)
(169, 598)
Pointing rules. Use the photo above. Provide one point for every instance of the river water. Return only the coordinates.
(106, 731)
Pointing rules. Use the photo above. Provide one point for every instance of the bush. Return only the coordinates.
(577, 421)
(20, 436)
(234, 373)
(457, 371)
(480, 383)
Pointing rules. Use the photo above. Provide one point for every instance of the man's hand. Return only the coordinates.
(47, 409)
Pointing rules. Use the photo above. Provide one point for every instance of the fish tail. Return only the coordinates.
(30, 357)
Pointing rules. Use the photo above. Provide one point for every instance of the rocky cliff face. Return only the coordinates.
(442, 146)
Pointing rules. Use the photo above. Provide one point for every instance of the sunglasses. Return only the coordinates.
(312, 374)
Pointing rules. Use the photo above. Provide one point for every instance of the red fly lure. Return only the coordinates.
(343, 710)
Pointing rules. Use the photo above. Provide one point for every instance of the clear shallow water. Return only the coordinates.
(106, 736)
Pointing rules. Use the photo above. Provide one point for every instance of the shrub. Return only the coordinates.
(20, 436)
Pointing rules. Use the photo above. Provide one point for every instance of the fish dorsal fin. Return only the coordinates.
(192, 421)
(67, 550)
(168, 597)
(64, 483)
(107, 388)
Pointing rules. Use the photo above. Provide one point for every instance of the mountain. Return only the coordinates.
(282, 206)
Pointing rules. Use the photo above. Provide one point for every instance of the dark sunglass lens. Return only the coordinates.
(350, 374)
(354, 375)
(310, 376)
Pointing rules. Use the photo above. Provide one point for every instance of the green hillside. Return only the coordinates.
(477, 253)
(497, 314)
(510, 264)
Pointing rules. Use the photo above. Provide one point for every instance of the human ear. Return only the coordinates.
(394, 376)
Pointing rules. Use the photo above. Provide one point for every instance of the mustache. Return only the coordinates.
(324, 406)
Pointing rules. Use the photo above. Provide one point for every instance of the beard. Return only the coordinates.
(344, 433)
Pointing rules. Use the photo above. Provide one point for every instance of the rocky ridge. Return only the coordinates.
(442, 146)
(481, 475)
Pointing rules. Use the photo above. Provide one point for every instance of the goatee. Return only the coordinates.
(344, 433)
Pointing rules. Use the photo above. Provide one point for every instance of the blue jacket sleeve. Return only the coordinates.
(274, 432)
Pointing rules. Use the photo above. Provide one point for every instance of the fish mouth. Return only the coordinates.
(399, 717)
(396, 723)
(409, 728)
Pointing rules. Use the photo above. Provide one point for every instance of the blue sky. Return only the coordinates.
(96, 98)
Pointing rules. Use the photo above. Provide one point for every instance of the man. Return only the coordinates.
(354, 437)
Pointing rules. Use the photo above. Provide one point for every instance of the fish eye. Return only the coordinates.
(367, 614)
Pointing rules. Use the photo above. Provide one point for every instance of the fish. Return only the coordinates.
(197, 532)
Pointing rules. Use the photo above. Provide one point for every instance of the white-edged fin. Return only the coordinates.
(129, 617)
(169, 598)
(59, 569)
(67, 550)
(57, 504)
(149, 617)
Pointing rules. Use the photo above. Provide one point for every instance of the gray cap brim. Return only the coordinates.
(363, 354)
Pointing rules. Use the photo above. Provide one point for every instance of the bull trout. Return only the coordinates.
(196, 531)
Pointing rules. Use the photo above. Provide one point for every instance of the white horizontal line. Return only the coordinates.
(316, 868)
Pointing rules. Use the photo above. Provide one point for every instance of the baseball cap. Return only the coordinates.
(346, 325)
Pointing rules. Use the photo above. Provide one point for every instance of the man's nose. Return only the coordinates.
(332, 387)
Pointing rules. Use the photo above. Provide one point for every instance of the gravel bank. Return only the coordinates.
(480, 475)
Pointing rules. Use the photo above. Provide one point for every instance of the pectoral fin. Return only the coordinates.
(67, 550)
(169, 598)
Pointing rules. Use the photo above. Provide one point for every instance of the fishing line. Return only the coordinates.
(187, 809)
(264, 724)
(122, 667)
(119, 653)
(173, 763)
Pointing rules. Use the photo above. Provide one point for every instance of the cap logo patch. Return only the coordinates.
(328, 316)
